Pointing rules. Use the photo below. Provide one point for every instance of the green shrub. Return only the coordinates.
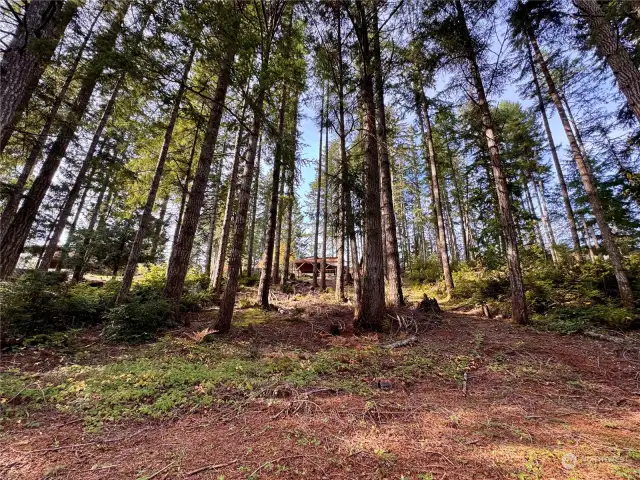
(425, 270)
(138, 319)
(250, 281)
(39, 302)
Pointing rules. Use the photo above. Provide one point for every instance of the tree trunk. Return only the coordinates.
(17, 232)
(325, 209)
(275, 271)
(608, 45)
(538, 188)
(624, 286)
(17, 190)
(392, 259)
(179, 261)
(318, 193)
(265, 274)
(72, 229)
(437, 198)
(585, 231)
(83, 252)
(75, 189)
(216, 276)
(534, 215)
(136, 246)
(215, 200)
(27, 56)
(519, 307)
(157, 232)
(184, 194)
(371, 314)
(350, 231)
(254, 208)
(290, 200)
(556, 161)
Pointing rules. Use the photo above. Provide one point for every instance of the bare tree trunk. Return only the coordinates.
(608, 45)
(538, 188)
(215, 200)
(254, 208)
(350, 232)
(157, 233)
(72, 229)
(179, 261)
(392, 259)
(556, 161)
(84, 251)
(290, 192)
(216, 277)
(136, 246)
(17, 232)
(325, 210)
(17, 190)
(372, 301)
(585, 232)
(75, 189)
(536, 223)
(27, 56)
(437, 198)
(318, 194)
(275, 271)
(184, 194)
(519, 307)
(615, 258)
(265, 274)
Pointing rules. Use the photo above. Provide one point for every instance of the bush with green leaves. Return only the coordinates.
(40, 302)
(426, 270)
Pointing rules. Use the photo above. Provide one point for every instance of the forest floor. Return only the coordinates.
(282, 398)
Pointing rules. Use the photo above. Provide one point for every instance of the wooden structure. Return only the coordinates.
(304, 266)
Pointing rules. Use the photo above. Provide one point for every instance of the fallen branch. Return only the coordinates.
(211, 467)
(601, 336)
(160, 471)
(402, 343)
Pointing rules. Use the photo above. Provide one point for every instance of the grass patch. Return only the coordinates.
(176, 375)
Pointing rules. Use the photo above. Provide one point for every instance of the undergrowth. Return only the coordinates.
(172, 376)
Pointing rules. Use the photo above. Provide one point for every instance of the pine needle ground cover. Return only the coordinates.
(283, 398)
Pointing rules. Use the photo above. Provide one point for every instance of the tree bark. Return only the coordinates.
(265, 274)
(318, 193)
(17, 232)
(84, 168)
(556, 161)
(27, 56)
(184, 194)
(275, 271)
(352, 245)
(392, 258)
(17, 190)
(215, 200)
(136, 246)
(519, 307)
(179, 261)
(157, 233)
(538, 187)
(437, 198)
(371, 311)
(624, 287)
(608, 45)
(290, 200)
(84, 251)
(228, 299)
(325, 209)
(254, 208)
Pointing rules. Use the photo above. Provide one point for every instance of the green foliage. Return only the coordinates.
(41, 302)
(425, 270)
(138, 319)
(565, 297)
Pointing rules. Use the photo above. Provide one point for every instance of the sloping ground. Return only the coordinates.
(281, 398)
